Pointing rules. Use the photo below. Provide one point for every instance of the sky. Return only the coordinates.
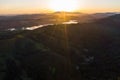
(40, 6)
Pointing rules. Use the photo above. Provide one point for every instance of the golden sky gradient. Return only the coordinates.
(43, 6)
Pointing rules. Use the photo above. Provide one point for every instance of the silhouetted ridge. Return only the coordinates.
(113, 21)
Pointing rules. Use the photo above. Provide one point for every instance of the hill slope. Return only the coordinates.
(63, 52)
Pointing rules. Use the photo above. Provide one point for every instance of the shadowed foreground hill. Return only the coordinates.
(88, 51)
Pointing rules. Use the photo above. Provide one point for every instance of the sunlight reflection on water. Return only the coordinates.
(35, 27)
(71, 22)
(39, 26)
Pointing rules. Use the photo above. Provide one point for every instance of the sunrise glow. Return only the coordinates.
(64, 5)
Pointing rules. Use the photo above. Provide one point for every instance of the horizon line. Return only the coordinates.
(10, 14)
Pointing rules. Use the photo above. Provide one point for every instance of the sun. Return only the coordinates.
(63, 5)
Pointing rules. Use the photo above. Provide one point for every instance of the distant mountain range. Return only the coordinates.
(19, 21)
(103, 15)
